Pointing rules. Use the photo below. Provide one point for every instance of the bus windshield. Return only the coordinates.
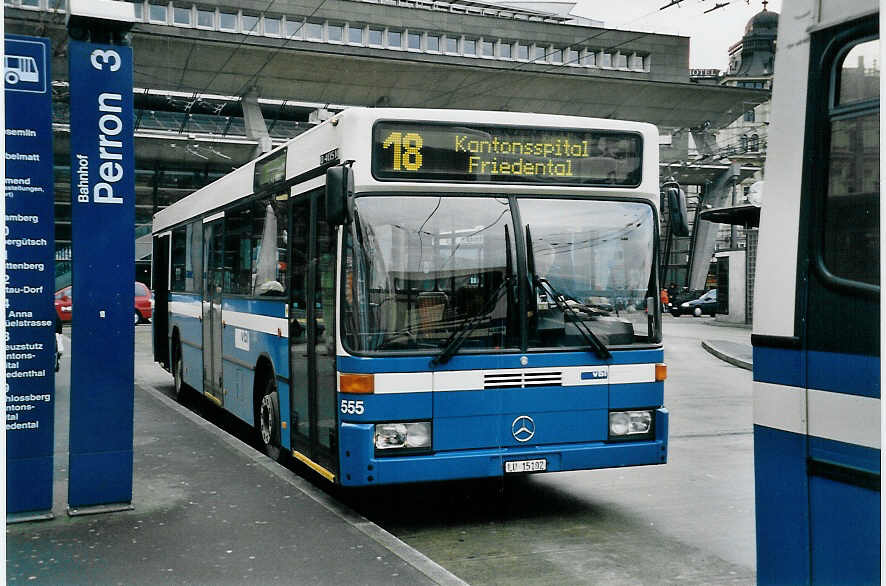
(420, 270)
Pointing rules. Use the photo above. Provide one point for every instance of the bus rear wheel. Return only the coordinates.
(267, 422)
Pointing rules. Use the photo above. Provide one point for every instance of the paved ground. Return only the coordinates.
(208, 509)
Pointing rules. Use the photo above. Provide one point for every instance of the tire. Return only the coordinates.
(178, 381)
(11, 78)
(137, 318)
(697, 312)
(675, 313)
(267, 421)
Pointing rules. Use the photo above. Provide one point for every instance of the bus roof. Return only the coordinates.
(348, 134)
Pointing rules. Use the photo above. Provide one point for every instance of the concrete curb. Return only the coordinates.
(726, 357)
(434, 571)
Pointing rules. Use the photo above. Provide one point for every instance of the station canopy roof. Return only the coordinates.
(341, 75)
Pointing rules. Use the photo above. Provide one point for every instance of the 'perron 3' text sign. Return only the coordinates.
(103, 217)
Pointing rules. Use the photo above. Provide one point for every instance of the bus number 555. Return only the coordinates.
(352, 407)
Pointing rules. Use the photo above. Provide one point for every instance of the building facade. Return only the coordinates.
(217, 83)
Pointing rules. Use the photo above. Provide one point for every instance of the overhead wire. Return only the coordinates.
(551, 66)
(534, 60)
(274, 53)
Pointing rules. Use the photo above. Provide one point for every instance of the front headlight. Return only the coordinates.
(391, 436)
(686, 304)
(623, 424)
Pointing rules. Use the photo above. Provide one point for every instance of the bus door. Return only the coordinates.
(312, 336)
(842, 326)
(213, 260)
(160, 285)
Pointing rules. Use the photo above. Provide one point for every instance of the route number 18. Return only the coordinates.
(407, 150)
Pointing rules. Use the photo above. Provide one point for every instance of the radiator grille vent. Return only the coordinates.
(518, 379)
(506, 380)
(543, 379)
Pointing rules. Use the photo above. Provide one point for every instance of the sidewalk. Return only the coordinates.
(736, 353)
(208, 509)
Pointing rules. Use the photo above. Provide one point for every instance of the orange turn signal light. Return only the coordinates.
(661, 372)
(361, 384)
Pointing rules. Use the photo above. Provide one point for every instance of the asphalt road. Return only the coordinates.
(690, 521)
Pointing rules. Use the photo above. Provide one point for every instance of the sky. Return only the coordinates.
(710, 35)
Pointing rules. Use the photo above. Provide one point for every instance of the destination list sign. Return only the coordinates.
(417, 151)
(30, 275)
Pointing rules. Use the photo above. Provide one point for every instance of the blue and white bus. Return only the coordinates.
(817, 320)
(402, 295)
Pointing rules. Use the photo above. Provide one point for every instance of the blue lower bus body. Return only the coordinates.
(471, 427)
(246, 339)
(817, 499)
(361, 467)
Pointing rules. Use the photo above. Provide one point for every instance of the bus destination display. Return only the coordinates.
(414, 151)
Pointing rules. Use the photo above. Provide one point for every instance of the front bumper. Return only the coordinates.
(360, 467)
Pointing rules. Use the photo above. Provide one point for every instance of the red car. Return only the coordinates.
(144, 303)
(63, 303)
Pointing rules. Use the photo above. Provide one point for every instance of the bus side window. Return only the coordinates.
(298, 269)
(179, 245)
(270, 262)
(194, 258)
(851, 243)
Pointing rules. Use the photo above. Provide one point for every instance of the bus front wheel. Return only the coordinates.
(268, 421)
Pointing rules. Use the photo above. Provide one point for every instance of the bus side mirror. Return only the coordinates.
(677, 208)
(339, 190)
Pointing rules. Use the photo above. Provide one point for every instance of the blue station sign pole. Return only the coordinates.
(30, 279)
(103, 238)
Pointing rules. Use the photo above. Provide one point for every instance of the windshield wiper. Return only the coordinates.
(457, 338)
(590, 337)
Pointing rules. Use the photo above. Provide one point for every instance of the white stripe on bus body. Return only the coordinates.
(850, 419)
(461, 380)
(403, 382)
(620, 374)
(186, 308)
(474, 380)
(780, 407)
(267, 324)
(248, 321)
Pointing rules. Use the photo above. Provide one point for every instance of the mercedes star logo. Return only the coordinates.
(523, 428)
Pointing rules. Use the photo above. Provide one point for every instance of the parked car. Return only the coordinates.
(144, 303)
(704, 305)
(63, 303)
(142, 310)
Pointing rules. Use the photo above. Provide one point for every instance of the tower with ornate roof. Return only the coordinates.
(752, 60)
